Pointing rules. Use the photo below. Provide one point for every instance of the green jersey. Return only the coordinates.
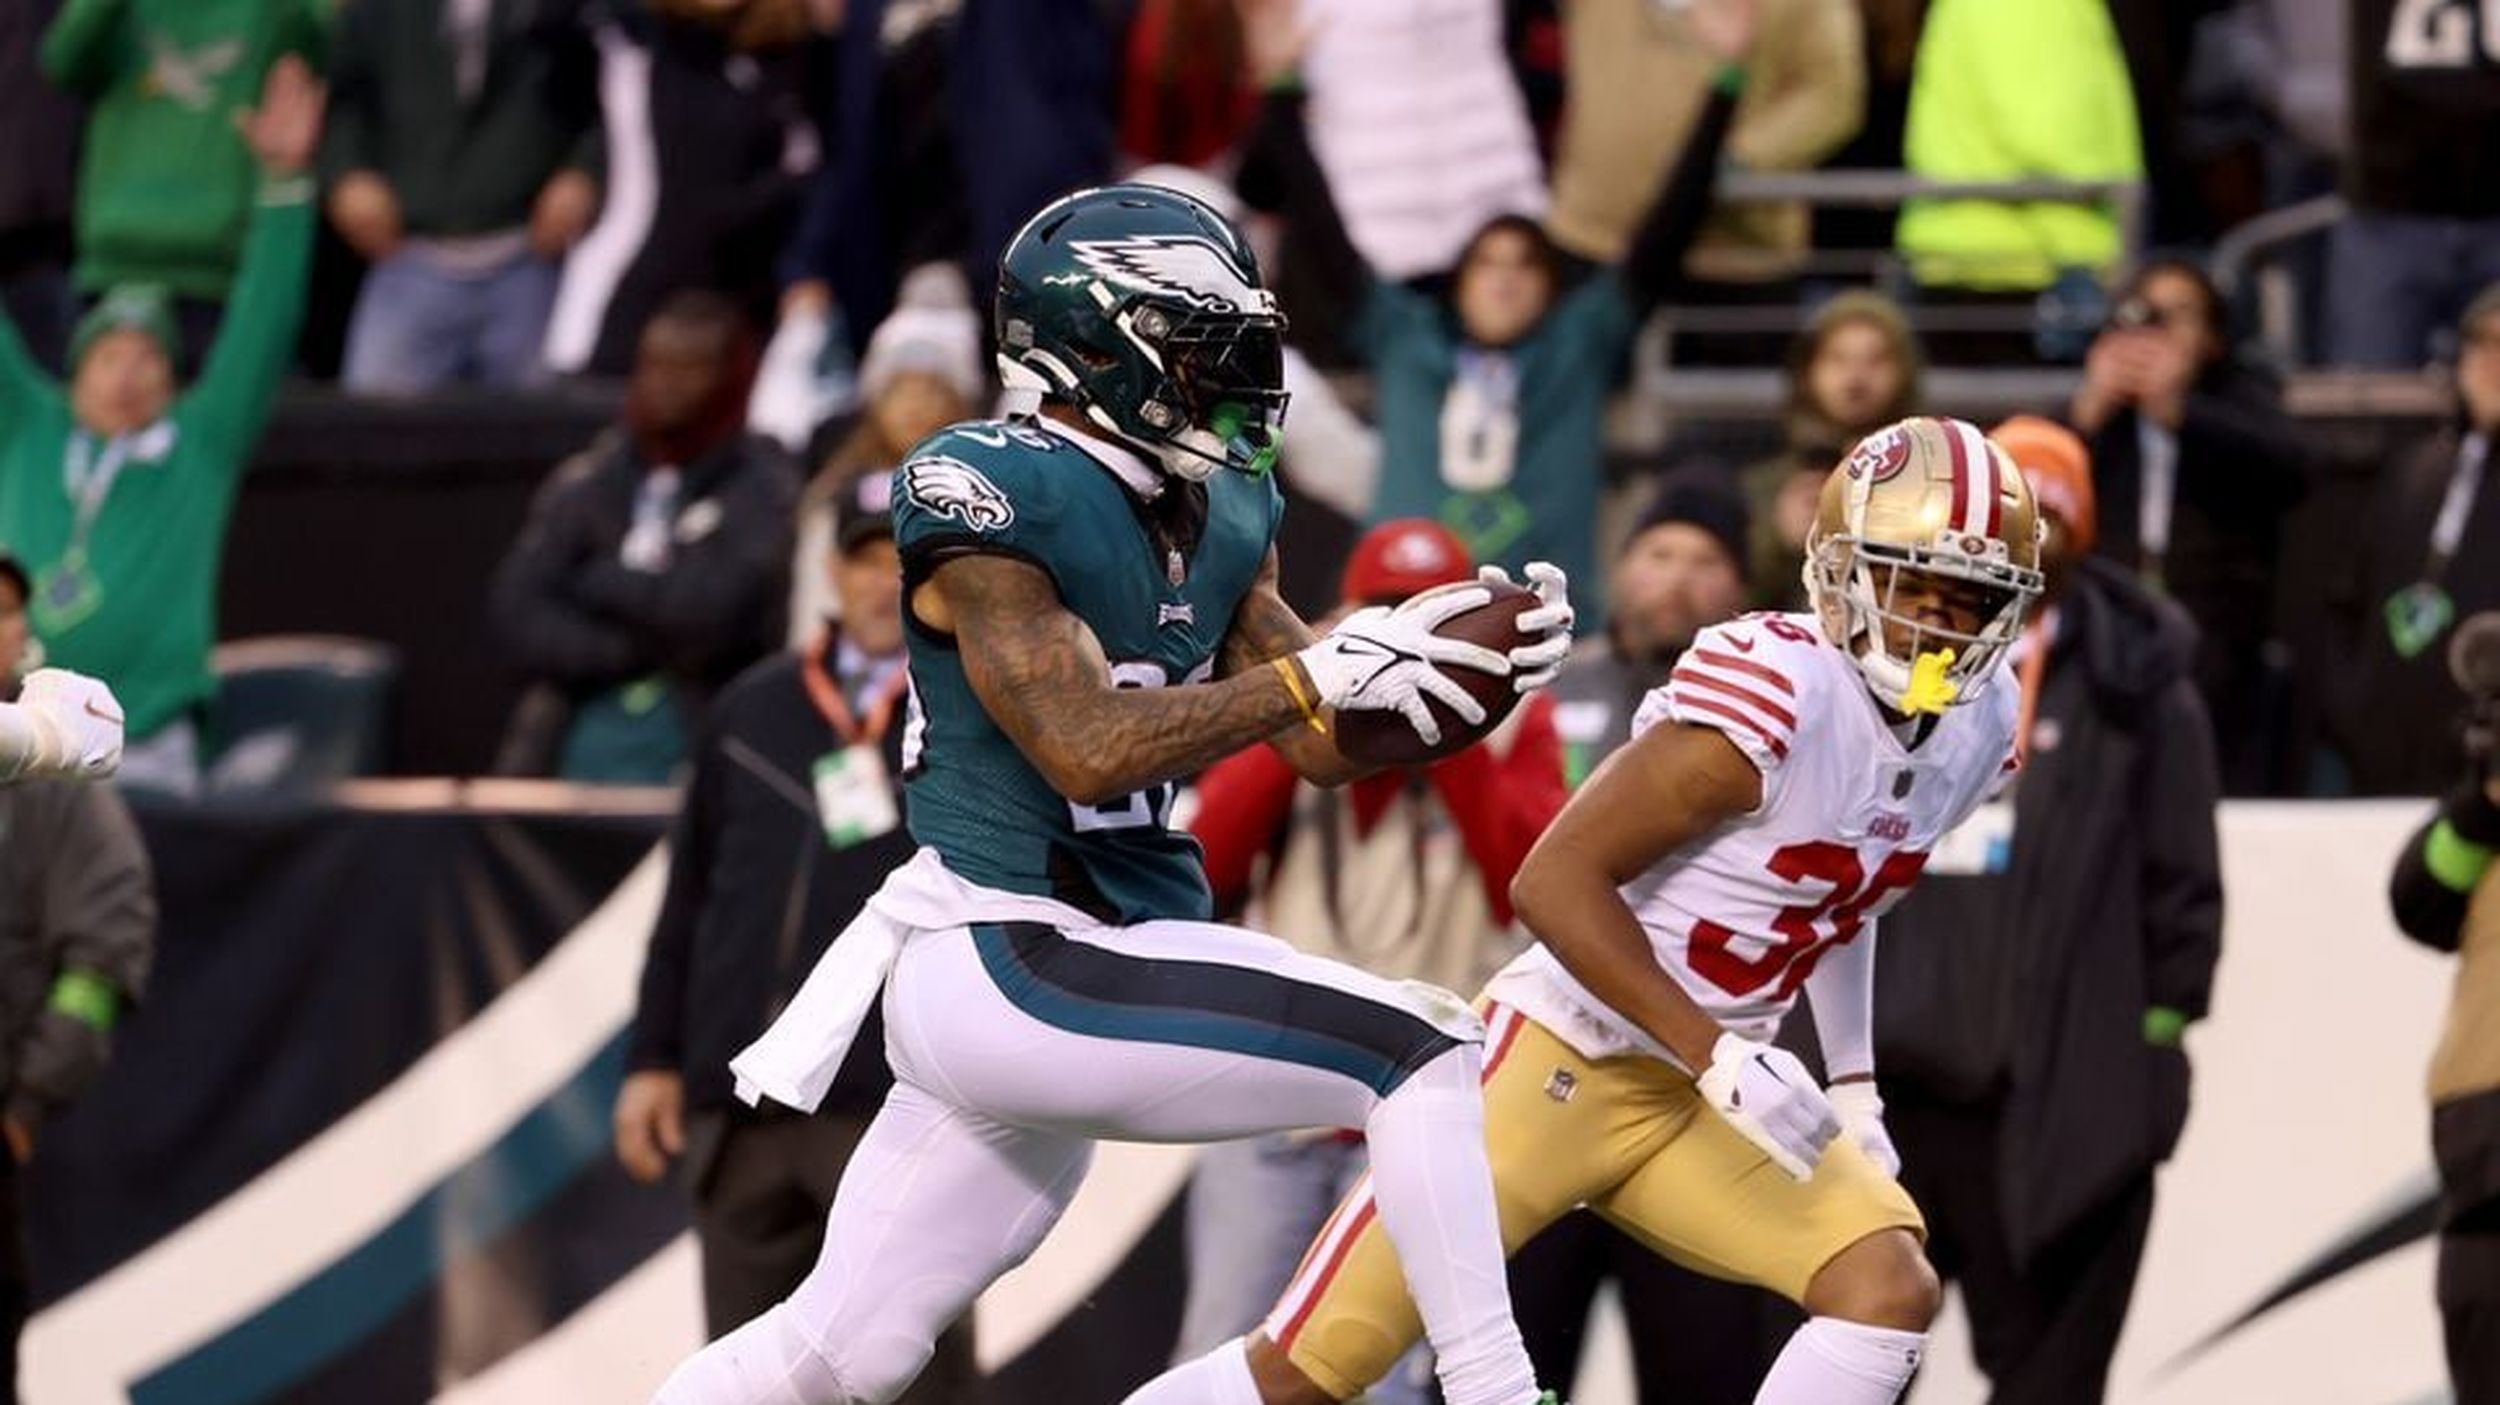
(1160, 605)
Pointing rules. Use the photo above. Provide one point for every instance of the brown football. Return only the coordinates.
(1388, 739)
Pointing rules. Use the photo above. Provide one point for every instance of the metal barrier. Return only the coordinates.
(2248, 260)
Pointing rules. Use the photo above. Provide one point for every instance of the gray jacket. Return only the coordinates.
(76, 893)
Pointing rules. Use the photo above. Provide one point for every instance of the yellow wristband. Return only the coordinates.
(1293, 684)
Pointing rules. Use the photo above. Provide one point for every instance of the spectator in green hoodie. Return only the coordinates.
(165, 187)
(115, 489)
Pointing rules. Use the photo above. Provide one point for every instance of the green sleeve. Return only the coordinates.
(231, 399)
(87, 45)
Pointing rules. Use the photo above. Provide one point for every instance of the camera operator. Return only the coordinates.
(2196, 468)
(2446, 893)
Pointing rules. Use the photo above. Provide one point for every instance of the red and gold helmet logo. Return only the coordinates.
(1880, 456)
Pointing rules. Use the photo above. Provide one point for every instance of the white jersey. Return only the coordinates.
(1741, 917)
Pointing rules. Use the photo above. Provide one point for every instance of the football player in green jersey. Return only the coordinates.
(1093, 616)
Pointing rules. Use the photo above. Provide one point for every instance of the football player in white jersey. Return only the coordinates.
(1781, 791)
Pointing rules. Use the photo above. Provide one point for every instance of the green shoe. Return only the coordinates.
(1549, 1398)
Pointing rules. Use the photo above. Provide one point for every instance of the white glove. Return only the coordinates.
(1770, 1099)
(70, 726)
(1387, 659)
(1532, 666)
(1861, 1111)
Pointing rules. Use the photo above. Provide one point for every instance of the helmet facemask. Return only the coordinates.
(1856, 587)
(1219, 400)
(1143, 309)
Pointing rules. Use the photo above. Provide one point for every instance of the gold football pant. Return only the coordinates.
(1630, 1138)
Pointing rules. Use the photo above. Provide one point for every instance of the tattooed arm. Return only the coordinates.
(1264, 628)
(1041, 675)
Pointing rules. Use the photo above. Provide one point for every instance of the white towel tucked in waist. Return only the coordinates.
(795, 1061)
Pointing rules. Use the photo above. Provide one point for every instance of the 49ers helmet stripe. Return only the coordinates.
(1976, 488)
(1960, 515)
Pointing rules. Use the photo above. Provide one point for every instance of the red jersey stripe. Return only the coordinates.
(1745, 666)
(1689, 703)
(1716, 684)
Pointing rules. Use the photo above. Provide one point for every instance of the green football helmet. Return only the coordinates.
(1143, 309)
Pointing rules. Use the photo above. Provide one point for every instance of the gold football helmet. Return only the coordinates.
(1927, 497)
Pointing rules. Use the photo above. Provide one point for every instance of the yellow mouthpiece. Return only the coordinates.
(1929, 690)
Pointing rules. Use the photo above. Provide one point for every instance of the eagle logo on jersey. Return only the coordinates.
(1179, 266)
(950, 487)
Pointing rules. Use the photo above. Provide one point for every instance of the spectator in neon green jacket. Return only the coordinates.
(2010, 90)
(115, 491)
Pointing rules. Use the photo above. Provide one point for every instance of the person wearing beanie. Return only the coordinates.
(922, 373)
(1856, 367)
(1406, 873)
(1682, 569)
(2430, 558)
(652, 569)
(2032, 1027)
(115, 489)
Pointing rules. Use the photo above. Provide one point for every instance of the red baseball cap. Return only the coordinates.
(1403, 557)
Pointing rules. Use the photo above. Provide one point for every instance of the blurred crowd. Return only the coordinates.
(775, 221)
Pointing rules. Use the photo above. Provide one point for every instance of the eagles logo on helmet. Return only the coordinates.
(1143, 309)
(1925, 498)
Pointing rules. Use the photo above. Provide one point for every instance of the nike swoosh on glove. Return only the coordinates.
(1770, 1099)
(1532, 666)
(1861, 1111)
(76, 723)
(1387, 659)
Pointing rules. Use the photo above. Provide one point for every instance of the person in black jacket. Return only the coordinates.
(792, 819)
(2196, 467)
(2430, 557)
(2030, 1029)
(654, 564)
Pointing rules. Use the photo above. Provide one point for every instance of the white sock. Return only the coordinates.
(1832, 1362)
(1221, 1377)
(1435, 1199)
(769, 1361)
